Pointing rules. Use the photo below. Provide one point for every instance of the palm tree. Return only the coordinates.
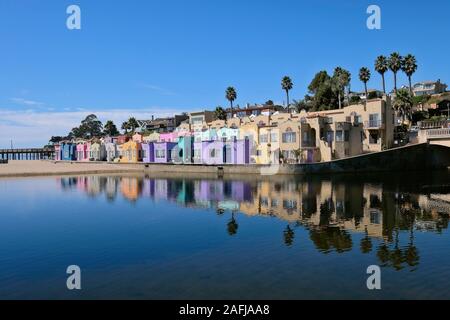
(364, 76)
(395, 64)
(125, 127)
(340, 80)
(220, 114)
(133, 124)
(232, 225)
(110, 129)
(409, 67)
(382, 66)
(286, 85)
(403, 103)
(288, 235)
(231, 95)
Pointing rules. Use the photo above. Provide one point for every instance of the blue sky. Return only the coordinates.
(148, 57)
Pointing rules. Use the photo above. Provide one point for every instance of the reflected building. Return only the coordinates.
(331, 210)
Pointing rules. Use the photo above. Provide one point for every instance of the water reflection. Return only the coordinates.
(332, 210)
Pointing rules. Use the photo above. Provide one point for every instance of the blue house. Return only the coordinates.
(68, 151)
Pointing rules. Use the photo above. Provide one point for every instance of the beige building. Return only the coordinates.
(309, 137)
(377, 118)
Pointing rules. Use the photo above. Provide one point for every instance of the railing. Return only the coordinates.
(438, 133)
(434, 124)
(373, 124)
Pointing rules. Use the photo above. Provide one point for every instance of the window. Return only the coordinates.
(160, 154)
(305, 136)
(264, 202)
(213, 153)
(263, 138)
(274, 137)
(330, 135)
(289, 136)
(197, 120)
(346, 136)
(375, 217)
(374, 120)
(339, 136)
(373, 137)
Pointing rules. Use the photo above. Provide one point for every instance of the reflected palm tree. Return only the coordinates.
(232, 226)
(366, 243)
(289, 236)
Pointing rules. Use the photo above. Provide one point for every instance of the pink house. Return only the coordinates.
(168, 137)
(137, 138)
(57, 152)
(83, 151)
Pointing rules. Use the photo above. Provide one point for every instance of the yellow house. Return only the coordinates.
(130, 152)
(269, 145)
(153, 137)
(250, 131)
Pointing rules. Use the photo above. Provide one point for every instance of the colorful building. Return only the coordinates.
(130, 152)
(148, 152)
(57, 152)
(97, 152)
(112, 152)
(68, 151)
(83, 151)
(163, 151)
(168, 137)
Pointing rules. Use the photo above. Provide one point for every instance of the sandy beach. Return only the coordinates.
(45, 168)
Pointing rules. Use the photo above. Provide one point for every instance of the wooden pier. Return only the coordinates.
(27, 154)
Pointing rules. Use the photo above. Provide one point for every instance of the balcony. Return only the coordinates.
(373, 124)
(438, 133)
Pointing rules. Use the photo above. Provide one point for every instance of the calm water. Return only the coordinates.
(280, 238)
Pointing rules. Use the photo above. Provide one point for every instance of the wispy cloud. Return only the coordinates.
(26, 102)
(157, 89)
(33, 128)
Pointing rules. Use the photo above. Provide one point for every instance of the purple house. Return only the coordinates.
(148, 150)
(163, 151)
(222, 152)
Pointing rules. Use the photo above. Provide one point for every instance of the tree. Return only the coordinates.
(395, 64)
(409, 67)
(56, 139)
(133, 124)
(382, 66)
(220, 114)
(231, 95)
(125, 127)
(90, 127)
(232, 225)
(324, 97)
(303, 104)
(364, 76)
(340, 80)
(110, 129)
(403, 104)
(287, 85)
(288, 235)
